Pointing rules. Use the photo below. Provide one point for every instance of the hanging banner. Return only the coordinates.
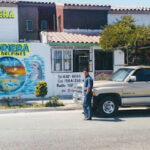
(14, 49)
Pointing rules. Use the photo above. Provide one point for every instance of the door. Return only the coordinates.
(138, 93)
(83, 61)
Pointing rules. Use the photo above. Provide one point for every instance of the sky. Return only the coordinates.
(132, 3)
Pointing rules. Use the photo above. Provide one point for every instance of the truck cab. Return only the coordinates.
(128, 86)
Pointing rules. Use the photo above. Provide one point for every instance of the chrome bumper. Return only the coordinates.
(78, 97)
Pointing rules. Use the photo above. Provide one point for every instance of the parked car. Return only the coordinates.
(129, 86)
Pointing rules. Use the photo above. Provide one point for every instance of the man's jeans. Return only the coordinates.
(87, 106)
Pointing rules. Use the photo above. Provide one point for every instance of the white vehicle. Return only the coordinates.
(129, 86)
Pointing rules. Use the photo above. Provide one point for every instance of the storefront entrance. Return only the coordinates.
(67, 68)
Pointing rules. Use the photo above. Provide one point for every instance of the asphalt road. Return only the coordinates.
(66, 130)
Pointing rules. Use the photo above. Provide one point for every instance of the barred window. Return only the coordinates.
(29, 25)
(72, 60)
(62, 60)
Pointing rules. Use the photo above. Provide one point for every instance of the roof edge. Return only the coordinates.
(72, 44)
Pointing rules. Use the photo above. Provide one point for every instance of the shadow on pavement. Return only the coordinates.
(134, 113)
(108, 119)
(130, 113)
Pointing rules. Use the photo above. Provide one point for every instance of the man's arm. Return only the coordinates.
(88, 87)
(88, 90)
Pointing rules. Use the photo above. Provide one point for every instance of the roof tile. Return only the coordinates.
(63, 37)
(26, 1)
(85, 4)
(130, 8)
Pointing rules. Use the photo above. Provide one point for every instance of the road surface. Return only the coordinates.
(66, 130)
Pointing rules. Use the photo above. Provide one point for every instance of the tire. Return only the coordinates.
(108, 106)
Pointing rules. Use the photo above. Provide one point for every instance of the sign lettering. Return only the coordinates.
(14, 49)
(6, 14)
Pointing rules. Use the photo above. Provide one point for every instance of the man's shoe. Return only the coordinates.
(87, 118)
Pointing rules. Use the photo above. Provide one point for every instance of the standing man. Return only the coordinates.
(88, 86)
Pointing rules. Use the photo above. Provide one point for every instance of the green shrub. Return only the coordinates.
(54, 102)
(18, 99)
(6, 100)
(41, 89)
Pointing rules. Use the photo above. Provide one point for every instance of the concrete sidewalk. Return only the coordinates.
(69, 105)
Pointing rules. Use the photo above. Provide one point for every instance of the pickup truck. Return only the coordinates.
(128, 86)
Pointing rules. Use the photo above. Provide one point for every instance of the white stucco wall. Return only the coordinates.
(64, 83)
(9, 26)
(141, 19)
(119, 59)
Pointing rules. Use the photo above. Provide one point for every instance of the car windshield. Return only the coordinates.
(120, 75)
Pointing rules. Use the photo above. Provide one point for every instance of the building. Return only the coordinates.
(140, 14)
(35, 17)
(59, 17)
(54, 42)
(70, 53)
(85, 19)
(9, 30)
(22, 65)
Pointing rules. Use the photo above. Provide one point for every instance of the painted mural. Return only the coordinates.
(20, 76)
(12, 74)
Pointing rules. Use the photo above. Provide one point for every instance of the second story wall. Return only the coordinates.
(34, 18)
(27, 14)
(9, 23)
(84, 19)
(141, 16)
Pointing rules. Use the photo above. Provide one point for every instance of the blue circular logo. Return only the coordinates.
(12, 74)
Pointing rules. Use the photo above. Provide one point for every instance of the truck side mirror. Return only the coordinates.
(132, 79)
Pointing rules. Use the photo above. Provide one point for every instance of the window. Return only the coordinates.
(62, 60)
(71, 60)
(82, 59)
(120, 75)
(103, 60)
(142, 75)
(44, 25)
(57, 61)
(67, 61)
(29, 25)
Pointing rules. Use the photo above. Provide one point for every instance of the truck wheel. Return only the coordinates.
(108, 106)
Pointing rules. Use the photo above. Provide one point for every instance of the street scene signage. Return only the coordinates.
(6, 14)
(14, 49)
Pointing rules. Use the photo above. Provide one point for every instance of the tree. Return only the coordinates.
(123, 34)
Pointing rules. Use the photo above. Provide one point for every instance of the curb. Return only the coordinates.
(30, 110)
